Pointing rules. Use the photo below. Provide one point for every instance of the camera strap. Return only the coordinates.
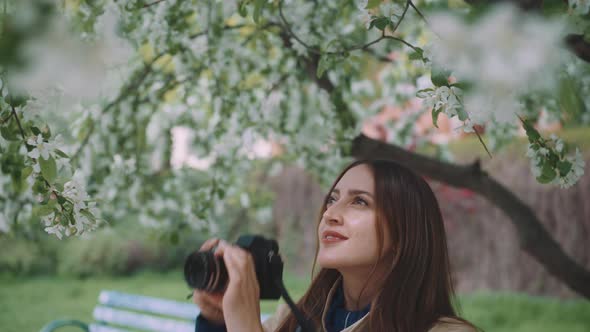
(305, 325)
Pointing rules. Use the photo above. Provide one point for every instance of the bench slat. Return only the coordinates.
(104, 328)
(149, 304)
(141, 321)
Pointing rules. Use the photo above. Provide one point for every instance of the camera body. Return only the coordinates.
(204, 271)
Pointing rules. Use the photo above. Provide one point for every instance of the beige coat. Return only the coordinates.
(444, 325)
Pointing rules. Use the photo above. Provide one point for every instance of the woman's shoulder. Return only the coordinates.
(449, 324)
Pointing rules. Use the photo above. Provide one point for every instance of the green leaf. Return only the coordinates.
(220, 193)
(174, 238)
(531, 132)
(380, 23)
(243, 9)
(26, 172)
(435, 114)
(62, 154)
(42, 210)
(547, 173)
(323, 65)
(258, 7)
(564, 167)
(373, 4)
(88, 215)
(462, 114)
(422, 93)
(552, 7)
(418, 54)
(465, 86)
(10, 132)
(48, 169)
(439, 75)
(35, 130)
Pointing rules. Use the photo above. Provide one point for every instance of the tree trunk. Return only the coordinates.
(533, 238)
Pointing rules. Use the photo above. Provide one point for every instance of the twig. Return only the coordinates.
(22, 132)
(482, 143)
(363, 47)
(401, 18)
(419, 12)
(151, 4)
(403, 42)
(311, 49)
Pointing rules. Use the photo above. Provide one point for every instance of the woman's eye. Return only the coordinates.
(330, 200)
(360, 201)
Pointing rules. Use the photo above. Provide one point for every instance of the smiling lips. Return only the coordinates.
(332, 237)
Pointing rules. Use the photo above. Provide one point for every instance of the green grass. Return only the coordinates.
(27, 304)
(504, 312)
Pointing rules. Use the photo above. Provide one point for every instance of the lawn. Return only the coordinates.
(27, 304)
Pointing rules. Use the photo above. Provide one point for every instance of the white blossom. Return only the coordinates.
(55, 229)
(575, 172)
(580, 7)
(42, 149)
(444, 98)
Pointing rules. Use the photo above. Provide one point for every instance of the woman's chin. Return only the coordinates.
(329, 262)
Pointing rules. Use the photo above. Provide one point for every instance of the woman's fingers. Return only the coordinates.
(209, 244)
(241, 305)
(209, 306)
(204, 298)
(239, 263)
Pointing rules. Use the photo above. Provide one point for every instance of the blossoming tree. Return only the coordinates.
(92, 91)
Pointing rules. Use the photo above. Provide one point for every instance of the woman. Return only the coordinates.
(383, 257)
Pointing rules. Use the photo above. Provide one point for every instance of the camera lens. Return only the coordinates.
(204, 271)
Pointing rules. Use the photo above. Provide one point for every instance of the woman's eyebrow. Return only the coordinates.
(358, 192)
(354, 192)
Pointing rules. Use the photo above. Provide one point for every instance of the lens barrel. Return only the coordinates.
(204, 271)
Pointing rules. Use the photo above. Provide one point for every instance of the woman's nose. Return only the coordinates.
(332, 215)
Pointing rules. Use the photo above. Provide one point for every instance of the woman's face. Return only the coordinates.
(347, 231)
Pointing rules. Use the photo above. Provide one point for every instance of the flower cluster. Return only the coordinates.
(580, 7)
(550, 162)
(75, 215)
(443, 99)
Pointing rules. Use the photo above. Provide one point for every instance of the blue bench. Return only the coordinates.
(122, 312)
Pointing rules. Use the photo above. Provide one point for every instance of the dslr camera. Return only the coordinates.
(204, 271)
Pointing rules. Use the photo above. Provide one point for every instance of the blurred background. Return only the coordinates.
(183, 139)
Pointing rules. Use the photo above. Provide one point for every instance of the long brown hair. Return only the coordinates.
(417, 290)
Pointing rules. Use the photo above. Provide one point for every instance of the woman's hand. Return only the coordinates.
(209, 304)
(241, 300)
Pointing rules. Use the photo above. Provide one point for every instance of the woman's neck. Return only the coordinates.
(353, 282)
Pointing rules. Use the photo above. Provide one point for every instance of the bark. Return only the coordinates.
(533, 237)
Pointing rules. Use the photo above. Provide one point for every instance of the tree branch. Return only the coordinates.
(363, 47)
(533, 237)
